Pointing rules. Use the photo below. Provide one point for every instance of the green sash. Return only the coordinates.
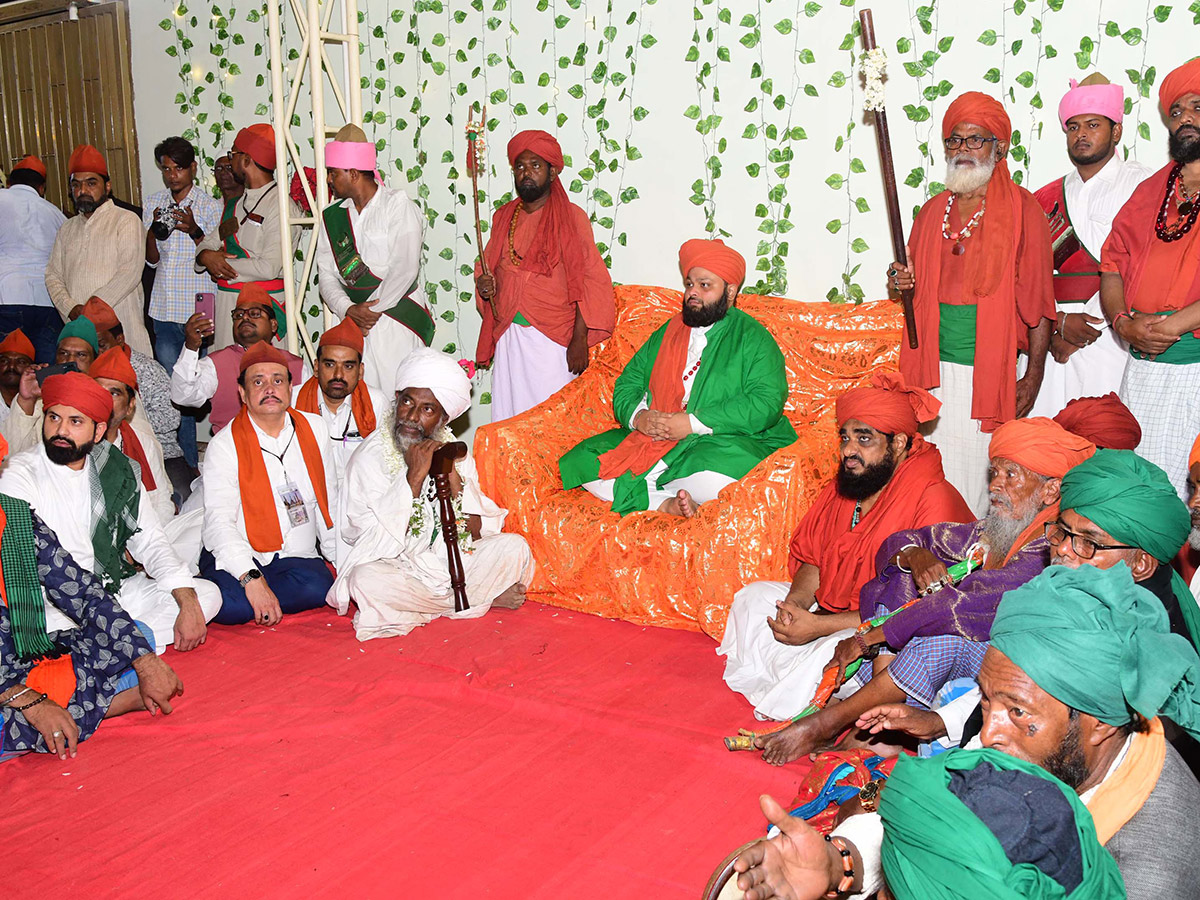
(115, 498)
(229, 232)
(1183, 352)
(956, 333)
(18, 557)
(361, 283)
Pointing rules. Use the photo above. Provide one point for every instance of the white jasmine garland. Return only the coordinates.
(873, 65)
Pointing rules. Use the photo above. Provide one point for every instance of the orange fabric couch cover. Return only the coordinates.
(656, 569)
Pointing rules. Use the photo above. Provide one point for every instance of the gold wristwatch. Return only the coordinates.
(868, 795)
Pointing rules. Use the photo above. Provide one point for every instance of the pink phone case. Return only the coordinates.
(206, 303)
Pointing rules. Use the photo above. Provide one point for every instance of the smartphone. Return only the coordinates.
(55, 369)
(206, 303)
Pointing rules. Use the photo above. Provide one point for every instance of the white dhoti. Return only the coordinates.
(1091, 371)
(393, 599)
(527, 370)
(963, 444)
(387, 344)
(703, 486)
(1165, 399)
(186, 534)
(779, 679)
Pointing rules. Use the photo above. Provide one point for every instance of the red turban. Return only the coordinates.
(262, 352)
(100, 314)
(253, 294)
(539, 143)
(16, 342)
(78, 391)
(1184, 80)
(87, 158)
(978, 109)
(114, 364)
(888, 405)
(1040, 445)
(1105, 421)
(33, 164)
(344, 334)
(258, 143)
(727, 264)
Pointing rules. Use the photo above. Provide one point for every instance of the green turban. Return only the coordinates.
(83, 329)
(1133, 500)
(1094, 640)
(1038, 842)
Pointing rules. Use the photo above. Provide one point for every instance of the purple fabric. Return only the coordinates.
(967, 609)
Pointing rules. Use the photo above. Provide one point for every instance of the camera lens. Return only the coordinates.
(160, 230)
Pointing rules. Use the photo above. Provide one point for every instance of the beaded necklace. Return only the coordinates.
(857, 515)
(959, 236)
(513, 256)
(1189, 210)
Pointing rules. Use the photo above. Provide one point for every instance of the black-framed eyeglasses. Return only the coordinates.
(1084, 547)
(972, 142)
(251, 312)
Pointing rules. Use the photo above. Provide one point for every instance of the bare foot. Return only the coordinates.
(793, 742)
(511, 598)
(681, 504)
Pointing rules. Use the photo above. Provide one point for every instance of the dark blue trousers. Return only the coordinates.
(299, 584)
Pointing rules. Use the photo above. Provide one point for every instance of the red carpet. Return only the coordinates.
(528, 754)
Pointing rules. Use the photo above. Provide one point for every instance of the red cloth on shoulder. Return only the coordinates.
(917, 495)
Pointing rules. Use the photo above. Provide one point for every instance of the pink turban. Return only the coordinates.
(1103, 99)
(358, 155)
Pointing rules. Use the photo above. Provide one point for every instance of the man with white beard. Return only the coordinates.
(981, 265)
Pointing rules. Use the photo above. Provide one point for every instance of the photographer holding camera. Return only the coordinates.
(176, 220)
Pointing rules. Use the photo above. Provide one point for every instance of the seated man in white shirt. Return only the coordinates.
(396, 572)
(197, 379)
(268, 492)
(89, 495)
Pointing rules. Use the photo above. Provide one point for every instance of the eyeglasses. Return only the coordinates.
(222, 168)
(1084, 547)
(239, 314)
(972, 142)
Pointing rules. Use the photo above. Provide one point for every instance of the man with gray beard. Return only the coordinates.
(395, 571)
(981, 265)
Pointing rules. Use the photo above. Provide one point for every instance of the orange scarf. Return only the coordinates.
(258, 506)
(132, 447)
(360, 404)
(638, 452)
(1124, 791)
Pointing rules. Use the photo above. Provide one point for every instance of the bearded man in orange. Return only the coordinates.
(1150, 285)
(982, 266)
(549, 296)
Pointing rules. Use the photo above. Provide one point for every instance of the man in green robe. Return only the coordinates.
(700, 404)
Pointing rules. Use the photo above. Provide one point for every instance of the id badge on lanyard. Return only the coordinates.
(293, 502)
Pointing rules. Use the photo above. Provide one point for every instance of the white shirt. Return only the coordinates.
(1093, 204)
(344, 438)
(224, 521)
(697, 341)
(62, 498)
(389, 233)
(28, 226)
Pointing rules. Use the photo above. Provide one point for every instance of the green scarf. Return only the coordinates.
(936, 848)
(1094, 640)
(1133, 500)
(115, 497)
(18, 558)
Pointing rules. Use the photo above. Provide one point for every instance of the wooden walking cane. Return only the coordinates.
(440, 467)
(884, 140)
(476, 153)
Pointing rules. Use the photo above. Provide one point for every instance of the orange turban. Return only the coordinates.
(78, 391)
(258, 143)
(1184, 80)
(727, 264)
(539, 143)
(100, 314)
(33, 164)
(87, 158)
(1040, 445)
(978, 109)
(889, 405)
(343, 334)
(16, 342)
(253, 294)
(1105, 421)
(114, 364)
(262, 352)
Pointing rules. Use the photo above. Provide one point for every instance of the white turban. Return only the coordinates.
(438, 372)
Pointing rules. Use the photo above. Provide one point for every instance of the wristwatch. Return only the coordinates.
(250, 575)
(868, 795)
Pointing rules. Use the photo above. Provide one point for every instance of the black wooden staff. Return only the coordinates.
(440, 467)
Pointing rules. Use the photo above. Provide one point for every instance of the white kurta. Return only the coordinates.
(30, 226)
(398, 579)
(61, 496)
(388, 233)
(160, 497)
(1095, 370)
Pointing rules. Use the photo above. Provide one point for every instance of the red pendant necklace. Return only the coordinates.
(967, 230)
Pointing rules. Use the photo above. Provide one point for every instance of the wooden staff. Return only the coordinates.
(896, 224)
(475, 161)
(440, 467)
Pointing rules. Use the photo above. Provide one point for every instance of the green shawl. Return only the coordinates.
(115, 497)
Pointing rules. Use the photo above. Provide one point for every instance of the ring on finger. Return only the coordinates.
(57, 734)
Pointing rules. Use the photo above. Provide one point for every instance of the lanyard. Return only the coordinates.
(280, 456)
